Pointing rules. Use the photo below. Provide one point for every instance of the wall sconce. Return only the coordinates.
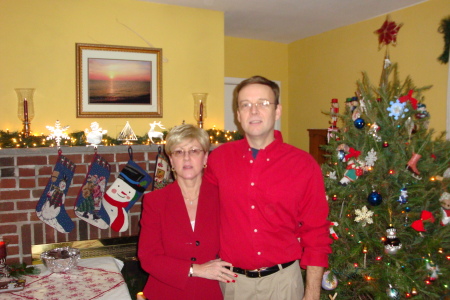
(200, 108)
(25, 110)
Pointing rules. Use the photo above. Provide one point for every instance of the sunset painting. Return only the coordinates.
(116, 81)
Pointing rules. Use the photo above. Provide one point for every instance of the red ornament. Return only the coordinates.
(387, 34)
(410, 99)
(425, 216)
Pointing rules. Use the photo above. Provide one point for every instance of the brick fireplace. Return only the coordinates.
(24, 173)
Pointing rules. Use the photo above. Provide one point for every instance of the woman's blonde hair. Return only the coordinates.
(184, 132)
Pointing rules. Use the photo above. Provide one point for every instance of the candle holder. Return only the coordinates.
(4, 270)
(25, 110)
(200, 108)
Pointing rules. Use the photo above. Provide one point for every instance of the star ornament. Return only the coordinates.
(387, 33)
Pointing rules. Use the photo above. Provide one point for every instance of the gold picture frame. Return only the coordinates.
(118, 81)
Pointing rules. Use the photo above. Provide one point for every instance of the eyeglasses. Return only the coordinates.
(194, 152)
(247, 105)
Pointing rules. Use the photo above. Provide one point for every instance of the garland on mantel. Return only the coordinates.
(17, 140)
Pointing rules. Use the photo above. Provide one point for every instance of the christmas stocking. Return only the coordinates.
(162, 171)
(89, 200)
(122, 194)
(50, 208)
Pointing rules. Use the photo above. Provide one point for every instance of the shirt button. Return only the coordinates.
(193, 259)
(251, 161)
(256, 230)
(259, 253)
(253, 207)
(268, 159)
(252, 184)
(197, 243)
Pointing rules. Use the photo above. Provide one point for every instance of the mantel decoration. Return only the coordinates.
(15, 139)
(25, 110)
(118, 81)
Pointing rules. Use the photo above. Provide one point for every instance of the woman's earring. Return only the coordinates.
(173, 169)
(204, 166)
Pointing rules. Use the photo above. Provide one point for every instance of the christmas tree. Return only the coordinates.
(387, 177)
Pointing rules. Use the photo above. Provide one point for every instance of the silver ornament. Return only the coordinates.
(392, 293)
(392, 243)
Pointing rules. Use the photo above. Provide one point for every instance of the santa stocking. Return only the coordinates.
(122, 194)
(162, 171)
(50, 208)
(89, 200)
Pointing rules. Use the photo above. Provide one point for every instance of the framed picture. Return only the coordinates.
(118, 81)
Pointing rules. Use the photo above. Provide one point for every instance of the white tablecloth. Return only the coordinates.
(94, 278)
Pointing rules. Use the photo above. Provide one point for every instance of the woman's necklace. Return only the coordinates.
(191, 200)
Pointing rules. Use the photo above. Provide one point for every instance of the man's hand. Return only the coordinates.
(313, 282)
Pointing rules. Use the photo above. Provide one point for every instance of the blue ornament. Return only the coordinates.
(359, 123)
(407, 209)
(374, 198)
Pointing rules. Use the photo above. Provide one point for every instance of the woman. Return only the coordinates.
(179, 238)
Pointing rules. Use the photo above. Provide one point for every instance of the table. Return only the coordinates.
(94, 278)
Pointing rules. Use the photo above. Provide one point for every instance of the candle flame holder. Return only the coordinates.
(25, 110)
(200, 108)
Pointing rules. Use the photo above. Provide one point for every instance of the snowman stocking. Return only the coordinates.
(89, 200)
(162, 171)
(50, 208)
(122, 194)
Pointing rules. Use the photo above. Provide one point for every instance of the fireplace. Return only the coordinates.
(24, 173)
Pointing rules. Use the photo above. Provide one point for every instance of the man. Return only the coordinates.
(273, 209)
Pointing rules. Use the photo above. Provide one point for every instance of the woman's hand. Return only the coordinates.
(214, 270)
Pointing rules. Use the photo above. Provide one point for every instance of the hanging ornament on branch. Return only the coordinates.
(364, 215)
(433, 270)
(412, 165)
(403, 198)
(392, 243)
(410, 99)
(445, 207)
(425, 217)
(375, 198)
(392, 293)
(329, 281)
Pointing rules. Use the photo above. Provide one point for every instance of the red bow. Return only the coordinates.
(352, 153)
(426, 216)
(410, 99)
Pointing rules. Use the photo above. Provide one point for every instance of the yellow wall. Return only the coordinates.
(38, 40)
(328, 65)
(245, 58)
(37, 49)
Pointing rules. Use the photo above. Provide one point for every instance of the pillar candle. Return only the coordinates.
(25, 110)
(2, 250)
(201, 111)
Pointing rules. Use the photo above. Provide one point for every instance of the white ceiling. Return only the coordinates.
(286, 21)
